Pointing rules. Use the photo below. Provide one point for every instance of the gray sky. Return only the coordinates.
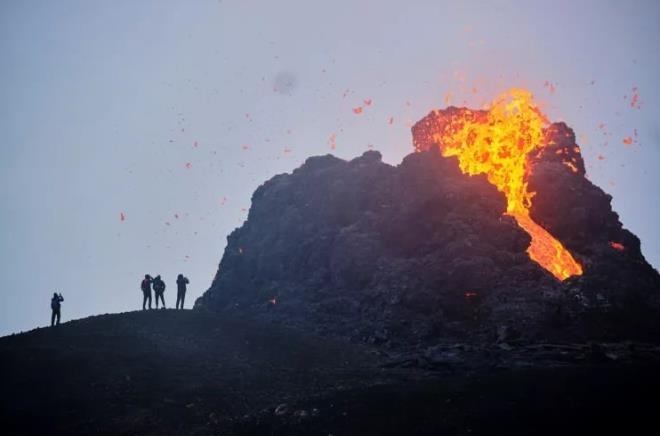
(159, 109)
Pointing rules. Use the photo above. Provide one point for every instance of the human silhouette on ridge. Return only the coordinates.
(146, 291)
(55, 304)
(181, 283)
(159, 290)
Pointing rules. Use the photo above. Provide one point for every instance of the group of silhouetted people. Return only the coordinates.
(148, 283)
(158, 286)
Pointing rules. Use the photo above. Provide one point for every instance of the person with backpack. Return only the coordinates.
(181, 283)
(159, 290)
(55, 304)
(146, 291)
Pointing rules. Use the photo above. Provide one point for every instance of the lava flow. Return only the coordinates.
(496, 142)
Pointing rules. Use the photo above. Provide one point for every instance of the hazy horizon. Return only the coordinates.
(134, 133)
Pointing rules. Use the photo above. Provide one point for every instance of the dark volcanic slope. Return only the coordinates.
(161, 372)
(190, 373)
(421, 253)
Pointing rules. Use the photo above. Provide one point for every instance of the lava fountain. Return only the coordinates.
(496, 142)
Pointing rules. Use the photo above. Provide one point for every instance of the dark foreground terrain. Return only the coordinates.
(190, 373)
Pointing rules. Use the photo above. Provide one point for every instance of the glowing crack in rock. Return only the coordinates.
(617, 246)
(496, 142)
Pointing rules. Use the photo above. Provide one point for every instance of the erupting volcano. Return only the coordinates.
(497, 142)
(472, 237)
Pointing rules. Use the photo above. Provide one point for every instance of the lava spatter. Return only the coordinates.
(496, 142)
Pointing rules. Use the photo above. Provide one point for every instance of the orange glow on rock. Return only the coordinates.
(571, 166)
(617, 246)
(496, 142)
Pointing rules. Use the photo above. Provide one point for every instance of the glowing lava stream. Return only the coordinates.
(496, 142)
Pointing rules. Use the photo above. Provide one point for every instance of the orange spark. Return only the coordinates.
(634, 99)
(357, 110)
(550, 86)
(332, 140)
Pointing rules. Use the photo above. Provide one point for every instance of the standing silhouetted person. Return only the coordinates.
(55, 304)
(146, 291)
(181, 283)
(159, 289)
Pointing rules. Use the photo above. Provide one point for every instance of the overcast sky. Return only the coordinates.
(172, 113)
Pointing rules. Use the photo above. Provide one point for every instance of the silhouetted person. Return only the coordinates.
(55, 304)
(159, 289)
(181, 283)
(146, 291)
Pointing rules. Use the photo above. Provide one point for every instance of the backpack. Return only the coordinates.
(145, 285)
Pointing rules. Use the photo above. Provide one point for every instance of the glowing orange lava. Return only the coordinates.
(496, 142)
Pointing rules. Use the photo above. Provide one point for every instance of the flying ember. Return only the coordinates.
(496, 142)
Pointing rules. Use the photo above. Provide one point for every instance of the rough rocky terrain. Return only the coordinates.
(418, 254)
(184, 373)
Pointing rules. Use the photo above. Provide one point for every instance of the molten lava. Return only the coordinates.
(496, 142)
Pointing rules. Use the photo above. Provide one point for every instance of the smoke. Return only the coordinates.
(285, 83)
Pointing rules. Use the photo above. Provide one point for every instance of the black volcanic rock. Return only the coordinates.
(421, 253)
(180, 372)
(619, 289)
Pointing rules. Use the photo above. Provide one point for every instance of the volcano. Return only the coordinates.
(482, 286)
(489, 232)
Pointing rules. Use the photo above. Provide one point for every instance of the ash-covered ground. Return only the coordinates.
(167, 372)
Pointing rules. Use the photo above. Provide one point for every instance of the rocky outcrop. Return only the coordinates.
(620, 292)
(420, 253)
